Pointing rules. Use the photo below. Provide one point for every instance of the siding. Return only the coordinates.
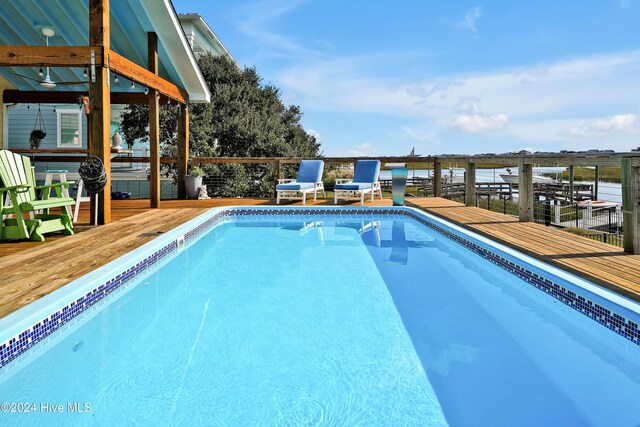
(21, 121)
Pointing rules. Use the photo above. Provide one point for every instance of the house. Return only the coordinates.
(66, 123)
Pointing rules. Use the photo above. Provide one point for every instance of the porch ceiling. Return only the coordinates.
(21, 22)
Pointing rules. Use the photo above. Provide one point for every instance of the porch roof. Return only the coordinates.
(21, 24)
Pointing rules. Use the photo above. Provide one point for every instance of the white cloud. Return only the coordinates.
(256, 19)
(622, 123)
(541, 104)
(361, 150)
(475, 123)
(419, 135)
(470, 19)
(468, 105)
(314, 133)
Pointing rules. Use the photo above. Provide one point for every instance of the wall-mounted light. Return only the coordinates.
(115, 79)
(133, 85)
(40, 72)
(146, 91)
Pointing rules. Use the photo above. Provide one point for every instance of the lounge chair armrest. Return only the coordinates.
(20, 187)
(285, 180)
(343, 180)
(57, 184)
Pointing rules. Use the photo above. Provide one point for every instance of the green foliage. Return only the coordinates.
(196, 171)
(244, 119)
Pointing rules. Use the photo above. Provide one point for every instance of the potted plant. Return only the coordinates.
(193, 182)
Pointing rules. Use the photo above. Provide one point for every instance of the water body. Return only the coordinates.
(608, 191)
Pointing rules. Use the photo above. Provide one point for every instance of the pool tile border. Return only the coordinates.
(22, 342)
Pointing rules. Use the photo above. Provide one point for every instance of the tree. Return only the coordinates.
(244, 119)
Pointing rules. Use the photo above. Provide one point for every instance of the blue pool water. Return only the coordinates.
(279, 321)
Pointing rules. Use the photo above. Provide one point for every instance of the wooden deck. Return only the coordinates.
(31, 270)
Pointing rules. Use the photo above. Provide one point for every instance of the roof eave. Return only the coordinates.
(165, 22)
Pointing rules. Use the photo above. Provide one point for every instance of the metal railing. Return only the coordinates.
(257, 177)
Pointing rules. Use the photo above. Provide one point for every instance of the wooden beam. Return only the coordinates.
(49, 151)
(525, 192)
(470, 184)
(631, 205)
(49, 56)
(437, 179)
(99, 119)
(12, 96)
(596, 180)
(571, 181)
(133, 71)
(154, 123)
(183, 149)
(276, 176)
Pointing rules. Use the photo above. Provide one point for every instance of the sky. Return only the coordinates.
(446, 77)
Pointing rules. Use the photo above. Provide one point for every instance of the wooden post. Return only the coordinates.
(525, 191)
(437, 179)
(183, 149)
(631, 204)
(595, 183)
(470, 184)
(571, 167)
(276, 175)
(154, 124)
(99, 120)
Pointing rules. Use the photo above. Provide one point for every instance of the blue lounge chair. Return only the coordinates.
(309, 181)
(365, 180)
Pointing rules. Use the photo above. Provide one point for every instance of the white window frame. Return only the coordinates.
(59, 128)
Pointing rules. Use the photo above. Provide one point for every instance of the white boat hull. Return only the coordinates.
(537, 179)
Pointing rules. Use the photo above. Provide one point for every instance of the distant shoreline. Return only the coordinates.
(607, 174)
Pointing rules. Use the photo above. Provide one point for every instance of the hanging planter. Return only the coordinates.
(39, 132)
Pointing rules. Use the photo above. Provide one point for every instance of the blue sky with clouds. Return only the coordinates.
(380, 77)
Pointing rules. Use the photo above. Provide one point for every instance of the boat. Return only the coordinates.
(597, 204)
(513, 178)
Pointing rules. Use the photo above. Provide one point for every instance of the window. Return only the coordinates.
(69, 128)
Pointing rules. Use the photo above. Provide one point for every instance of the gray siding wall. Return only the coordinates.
(21, 123)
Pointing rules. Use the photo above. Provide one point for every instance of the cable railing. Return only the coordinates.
(582, 205)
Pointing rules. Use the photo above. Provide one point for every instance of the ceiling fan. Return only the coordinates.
(47, 82)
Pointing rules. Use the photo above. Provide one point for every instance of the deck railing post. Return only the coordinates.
(595, 182)
(183, 149)
(154, 124)
(437, 178)
(525, 191)
(100, 104)
(276, 175)
(631, 204)
(571, 189)
(470, 184)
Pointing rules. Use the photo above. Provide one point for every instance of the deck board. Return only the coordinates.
(606, 265)
(31, 270)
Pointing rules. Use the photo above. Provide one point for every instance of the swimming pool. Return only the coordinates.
(327, 317)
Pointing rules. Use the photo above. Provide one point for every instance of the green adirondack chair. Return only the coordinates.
(18, 180)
